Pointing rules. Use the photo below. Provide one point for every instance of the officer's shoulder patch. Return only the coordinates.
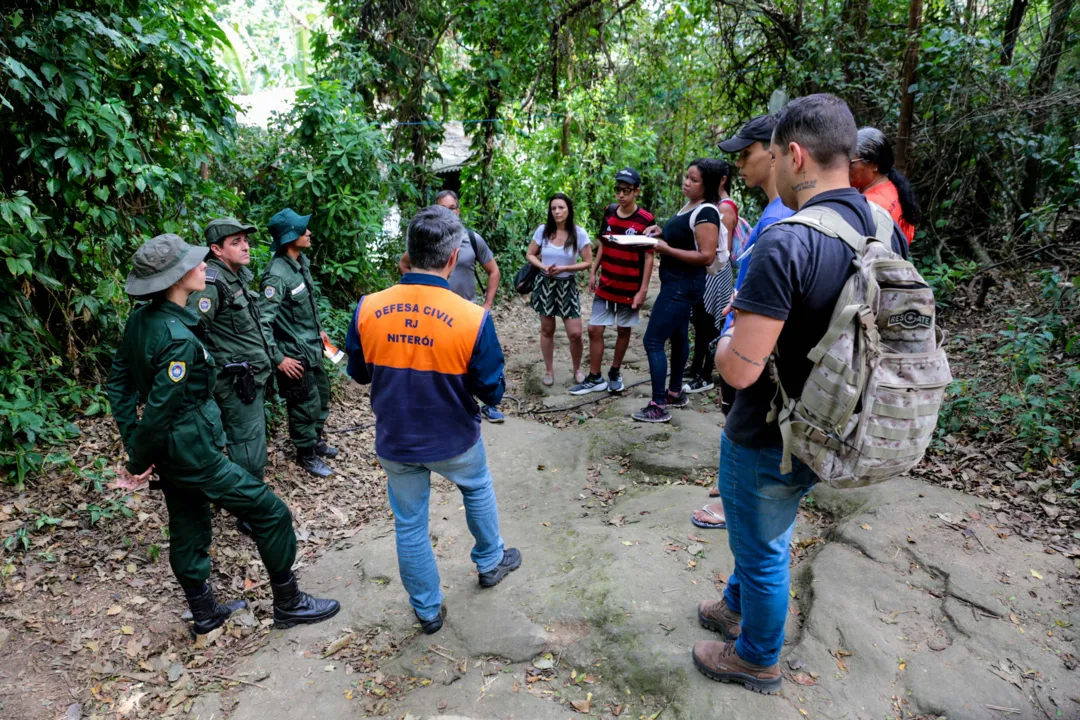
(204, 304)
(211, 274)
(177, 370)
(269, 291)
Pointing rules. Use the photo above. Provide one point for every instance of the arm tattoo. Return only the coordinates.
(804, 185)
(742, 357)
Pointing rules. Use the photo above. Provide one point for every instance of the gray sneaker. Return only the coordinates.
(591, 383)
(615, 383)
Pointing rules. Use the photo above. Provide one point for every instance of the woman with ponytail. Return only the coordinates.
(873, 174)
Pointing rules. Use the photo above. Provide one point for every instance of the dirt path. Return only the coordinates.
(906, 601)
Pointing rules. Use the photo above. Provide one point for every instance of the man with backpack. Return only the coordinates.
(621, 283)
(474, 251)
(784, 312)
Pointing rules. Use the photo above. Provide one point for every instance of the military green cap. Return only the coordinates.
(221, 228)
(285, 227)
(160, 263)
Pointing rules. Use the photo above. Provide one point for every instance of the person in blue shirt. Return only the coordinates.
(428, 355)
(755, 169)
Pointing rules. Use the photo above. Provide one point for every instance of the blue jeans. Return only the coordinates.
(760, 505)
(670, 319)
(409, 488)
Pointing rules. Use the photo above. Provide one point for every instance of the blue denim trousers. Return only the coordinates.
(760, 505)
(670, 319)
(409, 488)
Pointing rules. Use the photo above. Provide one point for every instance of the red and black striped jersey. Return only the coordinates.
(622, 267)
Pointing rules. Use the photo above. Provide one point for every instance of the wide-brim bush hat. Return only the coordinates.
(160, 263)
(221, 228)
(286, 226)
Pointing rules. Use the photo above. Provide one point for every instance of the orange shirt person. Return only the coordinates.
(872, 173)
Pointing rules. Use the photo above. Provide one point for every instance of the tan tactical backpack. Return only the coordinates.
(869, 408)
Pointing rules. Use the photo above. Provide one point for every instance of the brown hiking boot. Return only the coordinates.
(719, 661)
(716, 615)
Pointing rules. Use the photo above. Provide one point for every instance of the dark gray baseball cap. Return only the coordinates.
(758, 129)
(160, 263)
(629, 175)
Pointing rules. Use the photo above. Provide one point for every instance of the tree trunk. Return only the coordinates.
(1012, 30)
(1042, 82)
(492, 100)
(907, 97)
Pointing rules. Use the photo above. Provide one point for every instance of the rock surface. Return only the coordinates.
(907, 602)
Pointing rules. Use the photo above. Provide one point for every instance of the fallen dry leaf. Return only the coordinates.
(802, 678)
(114, 610)
(1035, 574)
(341, 643)
(583, 706)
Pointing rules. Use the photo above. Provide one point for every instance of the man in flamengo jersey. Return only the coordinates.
(621, 284)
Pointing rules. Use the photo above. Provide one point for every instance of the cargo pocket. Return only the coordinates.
(243, 322)
(905, 396)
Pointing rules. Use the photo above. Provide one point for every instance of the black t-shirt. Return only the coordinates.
(679, 234)
(795, 275)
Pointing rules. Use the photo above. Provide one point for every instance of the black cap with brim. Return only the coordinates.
(759, 129)
(160, 263)
(628, 175)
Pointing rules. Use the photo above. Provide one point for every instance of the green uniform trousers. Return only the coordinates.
(245, 428)
(307, 417)
(239, 493)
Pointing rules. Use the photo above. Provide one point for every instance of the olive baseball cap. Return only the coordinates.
(221, 228)
(286, 226)
(758, 129)
(160, 263)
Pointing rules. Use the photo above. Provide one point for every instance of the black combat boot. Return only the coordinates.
(324, 450)
(208, 613)
(311, 462)
(294, 607)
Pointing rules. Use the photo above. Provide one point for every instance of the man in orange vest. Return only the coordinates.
(427, 353)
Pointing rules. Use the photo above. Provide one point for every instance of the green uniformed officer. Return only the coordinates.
(229, 324)
(288, 305)
(162, 363)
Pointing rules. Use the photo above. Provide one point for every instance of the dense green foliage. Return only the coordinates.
(108, 111)
(116, 124)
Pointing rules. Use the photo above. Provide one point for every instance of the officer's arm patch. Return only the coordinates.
(204, 304)
(177, 370)
(268, 291)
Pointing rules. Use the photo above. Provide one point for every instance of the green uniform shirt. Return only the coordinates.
(288, 306)
(162, 363)
(229, 319)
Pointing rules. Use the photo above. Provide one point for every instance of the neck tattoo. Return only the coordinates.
(804, 185)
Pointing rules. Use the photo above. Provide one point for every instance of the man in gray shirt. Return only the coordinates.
(462, 280)
(473, 251)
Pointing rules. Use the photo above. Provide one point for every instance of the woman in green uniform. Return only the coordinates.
(162, 363)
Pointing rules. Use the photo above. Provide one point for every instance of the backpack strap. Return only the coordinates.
(476, 254)
(829, 222)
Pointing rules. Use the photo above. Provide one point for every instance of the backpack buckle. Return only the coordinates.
(867, 318)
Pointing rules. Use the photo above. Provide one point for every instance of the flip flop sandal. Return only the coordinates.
(714, 491)
(722, 525)
(548, 380)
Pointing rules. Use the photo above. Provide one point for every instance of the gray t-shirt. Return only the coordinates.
(463, 279)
